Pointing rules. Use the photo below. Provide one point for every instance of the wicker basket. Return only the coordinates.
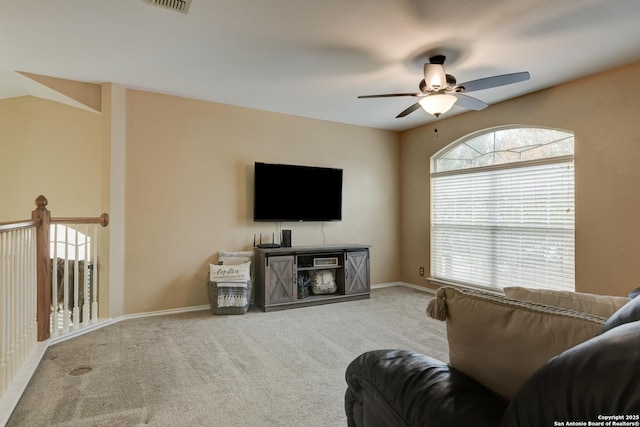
(213, 299)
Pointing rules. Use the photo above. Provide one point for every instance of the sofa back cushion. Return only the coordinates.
(500, 342)
(598, 305)
(598, 378)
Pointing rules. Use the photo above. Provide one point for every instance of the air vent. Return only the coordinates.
(181, 6)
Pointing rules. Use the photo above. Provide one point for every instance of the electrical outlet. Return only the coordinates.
(422, 271)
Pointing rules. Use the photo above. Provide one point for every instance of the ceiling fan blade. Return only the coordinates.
(388, 95)
(495, 81)
(409, 110)
(469, 102)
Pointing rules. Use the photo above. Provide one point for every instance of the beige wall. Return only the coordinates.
(603, 112)
(189, 191)
(186, 170)
(51, 149)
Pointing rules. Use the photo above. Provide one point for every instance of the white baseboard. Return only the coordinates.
(163, 312)
(408, 285)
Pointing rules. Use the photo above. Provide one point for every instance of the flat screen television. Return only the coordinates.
(296, 193)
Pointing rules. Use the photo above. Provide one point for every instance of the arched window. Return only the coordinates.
(69, 243)
(502, 209)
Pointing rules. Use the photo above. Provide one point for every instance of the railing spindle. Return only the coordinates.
(5, 324)
(94, 274)
(86, 299)
(65, 283)
(55, 318)
(12, 305)
(76, 291)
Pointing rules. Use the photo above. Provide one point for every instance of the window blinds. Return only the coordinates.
(505, 227)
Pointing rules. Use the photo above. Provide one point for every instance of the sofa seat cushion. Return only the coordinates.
(598, 305)
(403, 388)
(500, 342)
(597, 378)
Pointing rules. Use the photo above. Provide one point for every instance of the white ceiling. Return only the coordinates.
(312, 58)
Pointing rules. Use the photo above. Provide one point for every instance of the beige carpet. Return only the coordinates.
(195, 369)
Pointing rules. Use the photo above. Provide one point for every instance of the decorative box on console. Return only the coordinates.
(325, 262)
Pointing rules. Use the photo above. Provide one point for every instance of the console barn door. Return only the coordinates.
(356, 272)
(279, 282)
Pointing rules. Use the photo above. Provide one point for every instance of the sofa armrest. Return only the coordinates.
(402, 388)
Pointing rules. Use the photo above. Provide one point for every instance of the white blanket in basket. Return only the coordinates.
(232, 294)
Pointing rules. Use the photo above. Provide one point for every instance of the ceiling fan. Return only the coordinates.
(439, 91)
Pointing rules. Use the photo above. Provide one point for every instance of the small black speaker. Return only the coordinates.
(286, 238)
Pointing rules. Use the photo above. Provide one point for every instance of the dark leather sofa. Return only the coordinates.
(597, 382)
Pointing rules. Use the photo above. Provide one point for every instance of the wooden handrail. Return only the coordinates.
(103, 220)
(19, 225)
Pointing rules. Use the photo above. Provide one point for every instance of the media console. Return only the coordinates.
(278, 270)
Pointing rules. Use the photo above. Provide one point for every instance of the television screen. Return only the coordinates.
(296, 193)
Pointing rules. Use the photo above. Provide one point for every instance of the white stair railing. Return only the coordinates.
(29, 304)
(18, 295)
(74, 282)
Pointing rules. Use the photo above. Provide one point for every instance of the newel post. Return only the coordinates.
(44, 267)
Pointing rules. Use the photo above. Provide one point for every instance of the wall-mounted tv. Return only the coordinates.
(296, 193)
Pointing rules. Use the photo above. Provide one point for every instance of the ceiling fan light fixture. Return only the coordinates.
(437, 104)
(434, 76)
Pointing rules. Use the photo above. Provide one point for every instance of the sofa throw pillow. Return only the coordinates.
(598, 305)
(230, 273)
(500, 342)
